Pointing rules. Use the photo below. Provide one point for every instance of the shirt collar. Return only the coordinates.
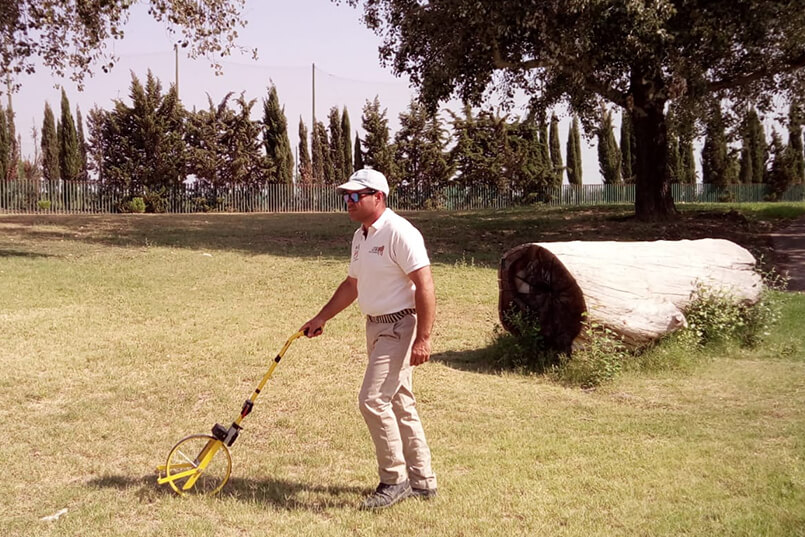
(381, 220)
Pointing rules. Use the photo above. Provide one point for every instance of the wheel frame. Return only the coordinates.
(173, 468)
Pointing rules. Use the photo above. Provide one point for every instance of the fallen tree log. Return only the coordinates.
(639, 290)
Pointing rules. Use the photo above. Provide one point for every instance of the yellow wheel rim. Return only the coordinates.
(198, 464)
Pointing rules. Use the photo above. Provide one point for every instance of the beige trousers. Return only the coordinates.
(389, 408)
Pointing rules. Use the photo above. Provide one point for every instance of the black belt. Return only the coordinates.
(391, 317)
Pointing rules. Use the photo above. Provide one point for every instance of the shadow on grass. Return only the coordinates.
(20, 253)
(475, 361)
(278, 493)
(480, 237)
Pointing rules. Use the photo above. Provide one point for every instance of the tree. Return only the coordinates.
(758, 148)
(69, 152)
(336, 147)
(574, 170)
(421, 149)
(346, 142)
(714, 152)
(782, 170)
(609, 156)
(5, 146)
(377, 152)
(322, 170)
(637, 55)
(628, 149)
(795, 119)
(50, 146)
(305, 166)
(224, 146)
(82, 145)
(275, 138)
(358, 160)
(72, 37)
(526, 167)
(480, 150)
(556, 152)
(687, 161)
(143, 144)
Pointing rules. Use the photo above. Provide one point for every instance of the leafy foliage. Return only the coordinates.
(421, 149)
(71, 37)
(69, 150)
(142, 145)
(574, 168)
(639, 56)
(275, 138)
(609, 155)
(50, 146)
(377, 151)
(305, 165)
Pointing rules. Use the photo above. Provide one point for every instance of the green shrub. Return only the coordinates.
(44, 205)
(599, 360)
(525, 351)
(135, 205)
(716, 317)
(156, 201)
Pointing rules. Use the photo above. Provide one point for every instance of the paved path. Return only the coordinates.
(789, 248)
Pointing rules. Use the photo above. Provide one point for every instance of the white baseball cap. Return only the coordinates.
(366, 178)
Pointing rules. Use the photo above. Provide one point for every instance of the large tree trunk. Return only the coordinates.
(639, 290)
(653, 199)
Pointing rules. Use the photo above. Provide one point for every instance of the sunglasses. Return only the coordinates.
(355, 197)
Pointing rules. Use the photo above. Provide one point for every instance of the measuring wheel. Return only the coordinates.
(197, 464)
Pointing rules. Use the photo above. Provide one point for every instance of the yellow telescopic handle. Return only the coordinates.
(247, 406)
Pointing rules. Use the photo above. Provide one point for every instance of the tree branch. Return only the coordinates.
(570, 68)
(771, 69)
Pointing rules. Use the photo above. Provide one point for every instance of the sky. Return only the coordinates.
(290, 37)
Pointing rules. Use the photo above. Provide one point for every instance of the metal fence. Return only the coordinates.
(25, 196)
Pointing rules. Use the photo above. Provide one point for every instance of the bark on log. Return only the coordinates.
(639, 290)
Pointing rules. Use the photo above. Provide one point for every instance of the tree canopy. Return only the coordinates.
(69, 38)
(637, 55)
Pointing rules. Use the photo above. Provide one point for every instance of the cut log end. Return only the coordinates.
(536, 285)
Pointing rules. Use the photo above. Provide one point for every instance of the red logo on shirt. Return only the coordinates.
(377, 250)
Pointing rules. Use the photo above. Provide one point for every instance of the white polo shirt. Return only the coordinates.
(381, 262)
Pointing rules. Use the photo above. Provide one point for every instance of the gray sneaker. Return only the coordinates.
(423, 494)
(386, 495)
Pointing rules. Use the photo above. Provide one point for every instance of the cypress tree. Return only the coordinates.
(782, 169)
(336, 147)
(50, 146)
(82, 145)
(556, 152)
(609, 158)
(358, 160)
(795, 118)
(15, 160)
(5, 146)
(758, 148)
(305, 166)
(346, 142)
(377, 151)
(275, 137)
(628, 146)
(573, 169)
(674, 164)
(687, 160)
(322, 167)
(714, 153)
(69, 153)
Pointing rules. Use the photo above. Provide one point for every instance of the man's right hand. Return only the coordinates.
(314, 327)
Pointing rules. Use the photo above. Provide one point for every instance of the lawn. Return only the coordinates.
(121, 334)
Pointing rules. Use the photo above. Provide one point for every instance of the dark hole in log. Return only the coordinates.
(534, 283)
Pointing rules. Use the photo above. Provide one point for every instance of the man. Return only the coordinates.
(389, 274)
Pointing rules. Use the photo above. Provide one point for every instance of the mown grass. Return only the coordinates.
(119, 335)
